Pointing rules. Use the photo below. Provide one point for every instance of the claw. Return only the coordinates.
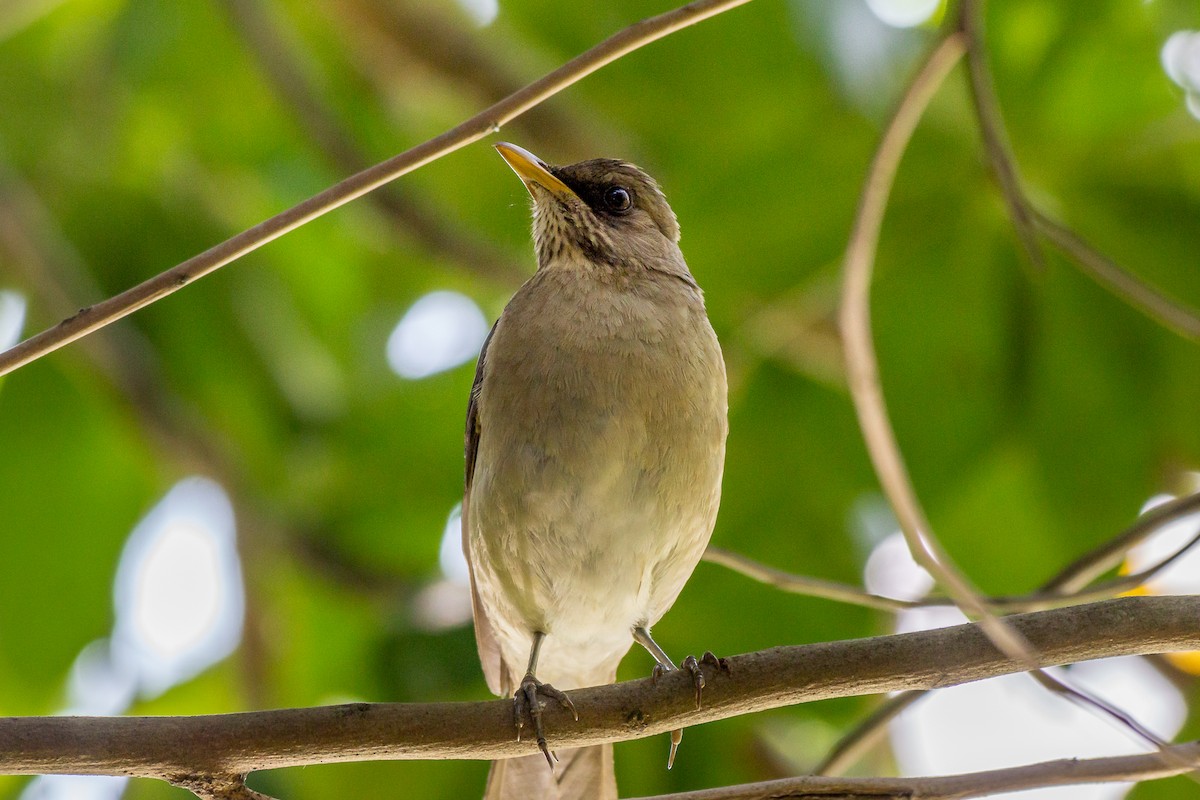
(710, 660)
(693, 666)
(527, 704)
(676, 738)
(658, 671)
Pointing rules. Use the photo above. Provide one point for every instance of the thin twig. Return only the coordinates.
(808, 586)
(260, 28)
(1062, 772)
(1085, 570)
(1065, 589)
(1029, 221)
(477, 127)
(1170, 313)
(995, 138)
(851, 747)
(435, 37)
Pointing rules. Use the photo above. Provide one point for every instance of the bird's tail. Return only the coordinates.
(582, 773)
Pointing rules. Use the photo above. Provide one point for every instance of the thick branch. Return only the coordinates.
(234, 744)
(477, 127)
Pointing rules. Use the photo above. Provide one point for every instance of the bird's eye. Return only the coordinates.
(617, 199)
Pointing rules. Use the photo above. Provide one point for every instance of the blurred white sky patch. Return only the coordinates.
(450, 555)
(12, 318)
(865, 57)
(178, 590)
(904, 13)
(1012, 720)
(483, 12)
(179, 603)
(75, 787)
(442, 330)
(1181, 60)
(1181, 576)
(891, 571)
(446, 603)
(98, 686)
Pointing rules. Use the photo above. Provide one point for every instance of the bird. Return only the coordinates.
(595, 447)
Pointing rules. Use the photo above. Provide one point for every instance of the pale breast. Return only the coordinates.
(603, 423)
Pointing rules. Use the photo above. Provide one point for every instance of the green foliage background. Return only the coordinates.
(1037, 412)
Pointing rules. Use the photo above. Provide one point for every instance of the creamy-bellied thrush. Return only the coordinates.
(595, 445)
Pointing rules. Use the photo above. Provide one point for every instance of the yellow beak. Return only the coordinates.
(531, 169)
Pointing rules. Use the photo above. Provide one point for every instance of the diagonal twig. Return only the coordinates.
(477, 127)
(1166, 311)
(1068, 587)
(287, 75)
(1029, 221)
(995, 139)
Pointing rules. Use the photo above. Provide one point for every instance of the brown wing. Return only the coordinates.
(485, 636)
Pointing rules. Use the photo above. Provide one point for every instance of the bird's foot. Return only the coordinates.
(696, 668)
(526, 705)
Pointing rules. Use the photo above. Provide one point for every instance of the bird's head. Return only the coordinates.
(602, 212)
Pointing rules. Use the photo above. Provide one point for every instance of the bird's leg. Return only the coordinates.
(526, 703)
(664, 664)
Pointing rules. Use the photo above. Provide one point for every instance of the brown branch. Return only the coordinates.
(1170, 313)
(234, 744)
(1062, 772)
(866, 734)
(283, 68)
(218, 787)
(1068, 587)
(477, 127)
(991, 126)
(1094, 564)
(1029, 221)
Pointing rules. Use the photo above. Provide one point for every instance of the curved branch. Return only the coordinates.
(488, 121)
(862, 365)
(234, 744)
(1030, 221)
(862, 370)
